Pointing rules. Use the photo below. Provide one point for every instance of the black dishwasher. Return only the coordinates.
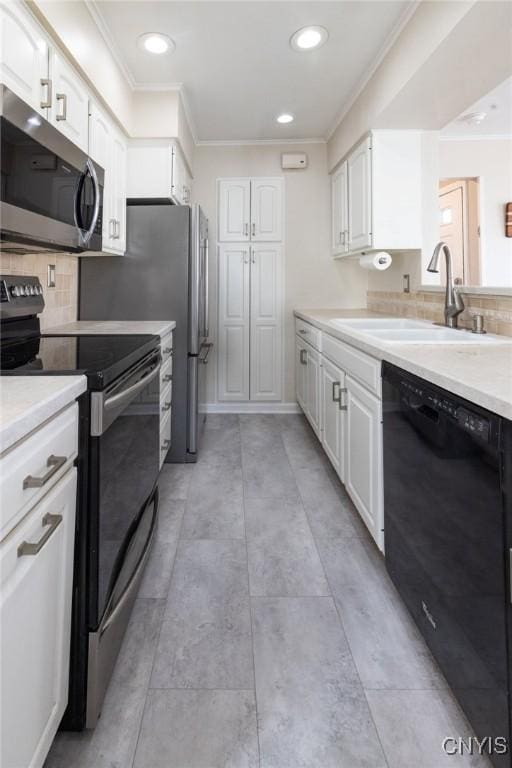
(446, 539)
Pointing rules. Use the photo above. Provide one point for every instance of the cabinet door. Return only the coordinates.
(363, 479)
(313, 388)
(266, 322)
(339, 190)
(70, 106)
(119, 160)
(360, 197)
(234, 318)
(300, 372)
(35, 612)
(100, 149)
(266, 210)
(23, 56)
(333, 418)
(234, 210)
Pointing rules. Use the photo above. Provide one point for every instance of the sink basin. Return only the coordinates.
(434, 336)
(375, 323)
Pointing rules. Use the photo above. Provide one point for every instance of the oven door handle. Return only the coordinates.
(128, 394)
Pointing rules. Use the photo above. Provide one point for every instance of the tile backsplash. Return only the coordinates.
(61, 301)
(429, 305)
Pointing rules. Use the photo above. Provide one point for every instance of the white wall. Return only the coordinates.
(491, 161)
(312, 278)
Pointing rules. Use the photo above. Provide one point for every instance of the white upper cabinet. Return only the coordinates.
(360, 197)
(107, 147)
(156, 168)
(266, 325)
(250, 209)
(69, 110)
(266, 210)
(24, 57)
(234, 322)
(234, 207)
(339, 213)
(376, 195)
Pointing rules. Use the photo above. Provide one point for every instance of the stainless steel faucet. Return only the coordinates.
(453, 304)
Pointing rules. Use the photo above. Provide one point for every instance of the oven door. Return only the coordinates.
(124, 452)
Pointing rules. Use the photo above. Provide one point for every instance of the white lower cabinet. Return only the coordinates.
(333, 414)
(338, 388)
(363, 478)
(36, 562)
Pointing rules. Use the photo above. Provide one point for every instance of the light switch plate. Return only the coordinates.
(51, 275)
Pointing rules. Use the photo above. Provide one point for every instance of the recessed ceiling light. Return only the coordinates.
(285, 118)
(154, 42)
(307, 38)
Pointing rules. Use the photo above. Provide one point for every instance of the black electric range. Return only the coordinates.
(118, 465)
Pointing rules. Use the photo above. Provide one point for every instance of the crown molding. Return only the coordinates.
(256, 142)
(404, 19)
(94, 10)
(480, 137)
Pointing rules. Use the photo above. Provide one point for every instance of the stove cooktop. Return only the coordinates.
(101, 358)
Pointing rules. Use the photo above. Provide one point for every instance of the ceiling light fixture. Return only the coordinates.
(285, 118)
(308, 38)
(154, 42)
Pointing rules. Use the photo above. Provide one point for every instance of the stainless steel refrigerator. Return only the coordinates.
(162, 276)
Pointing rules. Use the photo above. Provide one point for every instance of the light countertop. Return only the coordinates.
(481, 374)
(87, 327)
(26, 402)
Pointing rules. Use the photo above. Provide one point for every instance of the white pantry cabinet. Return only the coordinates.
(333, 407)
(363, 478)
(24, 57)
(250, 322)
(108, 147)
(376, 195)
(156, 168)
(234, 322)
(339, 212)
(250, 210)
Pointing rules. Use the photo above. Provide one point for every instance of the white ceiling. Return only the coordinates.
(497, 104)
(237, 68)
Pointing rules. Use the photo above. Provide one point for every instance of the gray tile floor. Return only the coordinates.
(267, 633)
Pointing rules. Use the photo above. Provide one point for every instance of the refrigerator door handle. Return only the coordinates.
(206, 288)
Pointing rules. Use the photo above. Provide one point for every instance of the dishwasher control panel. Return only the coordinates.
(472, 422)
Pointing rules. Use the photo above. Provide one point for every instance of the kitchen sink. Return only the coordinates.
(398, 330)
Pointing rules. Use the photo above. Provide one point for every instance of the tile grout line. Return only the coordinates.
(157, 643)
(250, 598)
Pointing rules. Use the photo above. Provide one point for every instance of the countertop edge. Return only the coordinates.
(166, 326)
(19, 426)
(382, 352)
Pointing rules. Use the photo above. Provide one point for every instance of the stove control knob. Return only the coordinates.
(15, 291)
(28, 290)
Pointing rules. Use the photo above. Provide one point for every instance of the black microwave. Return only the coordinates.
(51, 195)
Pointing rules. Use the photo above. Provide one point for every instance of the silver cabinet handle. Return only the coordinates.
(165, 445)
(166, 407)
(111, 228)
(303, 360)
(55, 463)
(246, 230)
(46, 83)
(340, 236)
(253, 256)
(345, 237)
(62, 97)
(117, 229)
(254, 229)
(167, 378)
(340, 406)
(29, 548)
(334, 385)
(303, 331)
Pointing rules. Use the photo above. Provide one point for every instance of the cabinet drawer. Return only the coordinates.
(33, 466)
(308, 333)
(362, 367)
(166, 347)
(165, 399)
(166, 373)
(165, 436)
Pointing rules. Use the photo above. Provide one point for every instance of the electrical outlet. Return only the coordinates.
(51, 276)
